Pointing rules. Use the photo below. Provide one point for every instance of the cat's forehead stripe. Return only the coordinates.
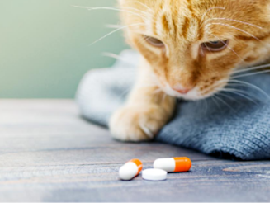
(169, 21)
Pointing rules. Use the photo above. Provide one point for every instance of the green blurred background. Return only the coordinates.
(44, 45)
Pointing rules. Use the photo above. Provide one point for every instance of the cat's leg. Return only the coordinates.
(146, 111)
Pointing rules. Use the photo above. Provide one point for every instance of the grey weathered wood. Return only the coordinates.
(47, 153)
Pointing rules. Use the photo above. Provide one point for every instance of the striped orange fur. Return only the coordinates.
(180, 60)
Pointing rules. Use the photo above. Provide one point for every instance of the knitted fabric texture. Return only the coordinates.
(234, 125)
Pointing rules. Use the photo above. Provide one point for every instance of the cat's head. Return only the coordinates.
(194, 46)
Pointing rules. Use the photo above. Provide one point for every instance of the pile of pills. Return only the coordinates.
(160, 171)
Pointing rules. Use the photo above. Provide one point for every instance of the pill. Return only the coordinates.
(154, 174)
(130, 170)
(138, 164)
(173, 164)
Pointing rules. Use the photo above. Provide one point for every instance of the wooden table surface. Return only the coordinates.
(47, 153)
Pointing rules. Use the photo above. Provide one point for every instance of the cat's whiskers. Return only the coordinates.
(120, 26)
(144, 5)
(116, 30)
(226, 95)
(252, 68)
(232, 81)
(224, 102)
(210, 9)
(118, 57)
(214, 99)
(207, 106)
(236, 28)
(116, 9)
(146, 14)
(250, 74)
(239, 93)
(113, 26)
(214, 86)
(232, 20)
(250, 85)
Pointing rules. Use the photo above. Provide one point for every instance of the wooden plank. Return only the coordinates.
(47, 153)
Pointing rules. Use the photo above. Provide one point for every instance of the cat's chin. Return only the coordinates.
(190, 96)
(193, 98)
(196, 97)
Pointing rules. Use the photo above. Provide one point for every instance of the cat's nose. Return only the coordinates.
(181, 90)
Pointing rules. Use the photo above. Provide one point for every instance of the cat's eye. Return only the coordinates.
(215, 46)
(154, 41)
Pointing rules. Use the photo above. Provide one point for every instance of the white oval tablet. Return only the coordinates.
(154, 174)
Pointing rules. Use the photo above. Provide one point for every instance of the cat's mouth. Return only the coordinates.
(192, 95)
(196, 93)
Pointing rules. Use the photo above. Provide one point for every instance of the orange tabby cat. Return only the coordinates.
(190, 49)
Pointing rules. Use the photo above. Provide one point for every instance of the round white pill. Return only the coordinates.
(128, 171)
(154, 174)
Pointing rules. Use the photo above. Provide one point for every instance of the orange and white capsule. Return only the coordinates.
(173, 164)
(131, 169)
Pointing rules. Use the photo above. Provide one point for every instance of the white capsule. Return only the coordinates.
(128, 171)
(154, 174)
(165, 164)
(181, 164)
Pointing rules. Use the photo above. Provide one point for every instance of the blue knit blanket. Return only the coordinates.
(231, 125)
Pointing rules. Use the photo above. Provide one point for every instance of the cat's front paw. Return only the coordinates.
(137, 123)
